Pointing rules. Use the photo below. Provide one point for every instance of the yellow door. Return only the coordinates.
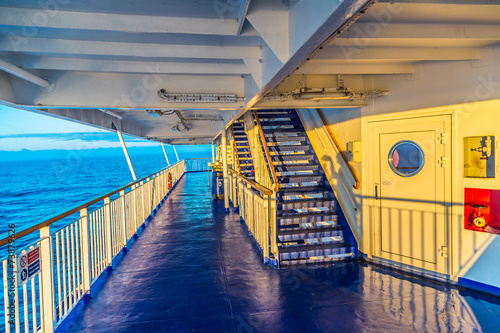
(412, 185)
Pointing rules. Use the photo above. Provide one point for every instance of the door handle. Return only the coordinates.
(376, 191)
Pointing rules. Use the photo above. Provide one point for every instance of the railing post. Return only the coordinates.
(124, 221)
(135, 206)
(265, 228)
(272, 222)
(109, 245)
(145, 185)
(85, 244)
(235, 192)
(47, 280)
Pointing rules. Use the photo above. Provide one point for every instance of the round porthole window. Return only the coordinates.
(406, 158)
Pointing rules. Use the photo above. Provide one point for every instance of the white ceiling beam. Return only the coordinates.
(346, 11)
(422, 31)
(95, 118)
(254, 66)
(397, 54)
(271, 20)
(115, 90)
(242, 14)
(56, 19)
(115, 66)
(42, 46)
(366, 68)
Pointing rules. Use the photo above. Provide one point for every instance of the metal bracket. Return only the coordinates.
(444, 161)
(444, 251)
(444, 138)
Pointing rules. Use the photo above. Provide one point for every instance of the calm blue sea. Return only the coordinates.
(33, 191)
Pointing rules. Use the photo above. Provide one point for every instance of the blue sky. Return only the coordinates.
(21, 129)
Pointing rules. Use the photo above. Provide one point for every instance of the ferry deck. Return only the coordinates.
(195, 268)
(354, 178)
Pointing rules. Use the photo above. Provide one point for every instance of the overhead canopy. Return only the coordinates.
(177, 71)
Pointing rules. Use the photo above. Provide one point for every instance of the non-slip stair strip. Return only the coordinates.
(299, 228)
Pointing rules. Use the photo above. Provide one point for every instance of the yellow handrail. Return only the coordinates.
(266, 150)
(357, 183)
(256, 186)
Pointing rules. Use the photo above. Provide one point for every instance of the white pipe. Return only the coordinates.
(164, 152)
(176, 154)
(25, 75)
(126, 155)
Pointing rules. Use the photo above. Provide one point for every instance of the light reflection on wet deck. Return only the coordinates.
(195, 269)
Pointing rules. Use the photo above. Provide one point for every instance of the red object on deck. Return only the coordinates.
(169, 182)
(482, 210)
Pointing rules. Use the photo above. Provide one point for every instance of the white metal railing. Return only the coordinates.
(73, 257)
(233, 196)
(257, 207)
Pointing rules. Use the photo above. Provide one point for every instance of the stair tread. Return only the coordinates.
(282, 130)
(306, 175)
(310, 247)
(284, 202)
(303, 188)
(293, 157)
(279, 122)
(297, 166)
(295, 231)
(290, 148)
(306, 214)
(286, 138)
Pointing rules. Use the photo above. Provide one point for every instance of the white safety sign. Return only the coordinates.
(28, 265)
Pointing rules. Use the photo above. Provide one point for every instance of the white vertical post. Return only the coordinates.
(272, 222)
(235, 191)
(125, 151)
(176, 153)
(134, 191)
(224, 170)
(107, 222)
(47, 281)
(124, 220)
(213, 152)
(144, 186)
(265, 227)
(164, 152)
(85, 244)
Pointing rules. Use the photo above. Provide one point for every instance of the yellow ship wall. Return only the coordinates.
(468, 93)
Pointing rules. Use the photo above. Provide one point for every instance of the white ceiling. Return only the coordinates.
(116, 55)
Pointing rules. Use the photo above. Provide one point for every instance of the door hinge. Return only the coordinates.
(444, 251)
(444, 161)
(444, 138)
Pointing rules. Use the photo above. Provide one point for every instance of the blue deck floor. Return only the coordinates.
(195, 269)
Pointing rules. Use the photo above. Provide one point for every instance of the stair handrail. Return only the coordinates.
(237, 157)
(357, 182)
(262, 189)
(266, 150)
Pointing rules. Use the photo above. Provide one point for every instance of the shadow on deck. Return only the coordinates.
(196, 269)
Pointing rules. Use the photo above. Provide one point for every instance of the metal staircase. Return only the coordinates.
(243, 151)
(310, 223)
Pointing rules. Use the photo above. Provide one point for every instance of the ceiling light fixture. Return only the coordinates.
(318, 94)
(198, 98)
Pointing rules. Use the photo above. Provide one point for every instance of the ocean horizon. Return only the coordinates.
(43, 185)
